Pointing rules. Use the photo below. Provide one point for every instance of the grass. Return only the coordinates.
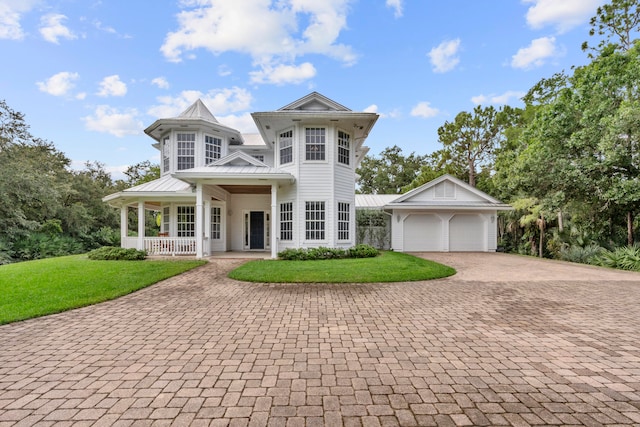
(387, 267)
(37, 288)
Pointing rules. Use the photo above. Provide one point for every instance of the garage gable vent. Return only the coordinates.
(445, 190)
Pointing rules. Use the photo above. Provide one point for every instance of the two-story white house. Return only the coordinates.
(290, 185)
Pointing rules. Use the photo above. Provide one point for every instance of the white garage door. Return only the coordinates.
(423, 233)
(466, 233)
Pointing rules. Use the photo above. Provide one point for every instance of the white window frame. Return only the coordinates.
(166, 154)
(344, 148)
(212, 149)
(315, 220)
(186, 221)
(315, 144)
(166, 219)
(186, 156)
(286, 221)
(344, 221)
(216, 223)
(285, 151)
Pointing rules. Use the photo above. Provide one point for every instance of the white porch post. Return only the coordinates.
(199, 220)
(124, 225)
(140, 225)
(274, 212)
(207, 227)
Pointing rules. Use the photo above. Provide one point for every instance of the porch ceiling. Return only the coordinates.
(247, 189)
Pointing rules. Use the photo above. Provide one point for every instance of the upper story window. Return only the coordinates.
(259, 157)
(344, 147)
(286, 147)
(186, 150)
(166, 155)
(212, 149)
(315, 142)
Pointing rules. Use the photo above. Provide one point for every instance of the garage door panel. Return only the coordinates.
(423, 233)
(466, 233)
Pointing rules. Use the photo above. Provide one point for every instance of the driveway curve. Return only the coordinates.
(508, 340)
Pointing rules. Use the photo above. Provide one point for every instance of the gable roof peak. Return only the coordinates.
(198, 110)
(314, 102)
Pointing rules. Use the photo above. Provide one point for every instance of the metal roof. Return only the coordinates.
(374, 201)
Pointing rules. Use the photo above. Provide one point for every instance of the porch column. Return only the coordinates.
(207, 228)
(140, 225)
(199, 220)
(124, 226)
(274, 219)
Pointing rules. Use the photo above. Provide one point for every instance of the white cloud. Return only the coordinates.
(373, 108)
(444, 56)
(425, 110)
(10, 13)
(284, 74)
(242, 122)
(224, 70)
(59, 84)
(562, 14)
(219, 101)
(271, 32)
(52, 29)
(161, 82)
(396, 5)
(107, 119)
(112, 86)
(502, 99)
(535, 54)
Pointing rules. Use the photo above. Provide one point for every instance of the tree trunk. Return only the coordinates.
(472, 174)
(560, 221)
(630, 228)
(541, 247)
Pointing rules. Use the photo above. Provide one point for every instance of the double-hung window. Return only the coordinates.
(216, 222)
(286, 221)
(186, 221)
(344, 148)
(166, 219)
(286, 147)
(166, 155)
(315, 143)
(212, 149)
(186, 150)
(314, 220)
(343, 220)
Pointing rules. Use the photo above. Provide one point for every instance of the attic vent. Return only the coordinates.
(445, 190)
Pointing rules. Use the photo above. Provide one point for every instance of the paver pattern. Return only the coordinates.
(201, 349)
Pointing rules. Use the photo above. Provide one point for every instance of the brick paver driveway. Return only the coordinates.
(542, 343)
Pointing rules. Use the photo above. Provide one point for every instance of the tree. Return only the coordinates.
(142, 172)
(617, 22)
(472, 138)
(388, 173)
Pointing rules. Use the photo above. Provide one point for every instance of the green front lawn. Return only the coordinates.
(36, 288)
(387, 267)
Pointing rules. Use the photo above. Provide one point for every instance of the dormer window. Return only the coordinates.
(212, 149)
(315, 142)
(286, 147)
(186, 150)
(344, 148)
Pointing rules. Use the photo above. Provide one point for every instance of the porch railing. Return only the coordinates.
(170, 245)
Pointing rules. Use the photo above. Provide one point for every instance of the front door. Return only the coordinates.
(256, 230)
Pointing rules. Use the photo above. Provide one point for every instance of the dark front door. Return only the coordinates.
(256, 230)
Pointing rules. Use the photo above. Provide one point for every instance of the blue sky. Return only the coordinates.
(91, 75)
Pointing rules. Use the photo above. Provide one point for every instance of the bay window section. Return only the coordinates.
(344, 148)
(166, 155)
(314, 220)
(212, 149)
(344, 213)
(186, 143)
(315, 139)
(286, 147)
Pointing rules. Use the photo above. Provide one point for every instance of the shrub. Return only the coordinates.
(111, 253)
(583, 255)
(624, 258)
(309, 254)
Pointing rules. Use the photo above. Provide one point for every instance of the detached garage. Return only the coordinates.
(444, 215)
